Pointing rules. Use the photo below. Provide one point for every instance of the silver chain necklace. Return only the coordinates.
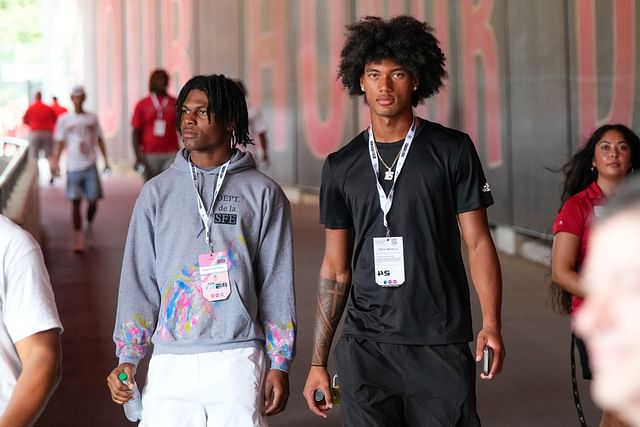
(388, 175)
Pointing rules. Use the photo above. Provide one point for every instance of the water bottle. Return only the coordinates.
(133, 407)
(318, 395)
(335, 390)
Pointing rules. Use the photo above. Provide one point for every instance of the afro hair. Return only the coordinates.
(405, 40)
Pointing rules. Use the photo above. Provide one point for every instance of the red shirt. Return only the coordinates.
(57, 108)
(576, 216)
(144, 116)
(39, 117)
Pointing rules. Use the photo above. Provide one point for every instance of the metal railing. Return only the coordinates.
(17, 163)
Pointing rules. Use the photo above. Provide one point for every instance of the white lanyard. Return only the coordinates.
(386, 202)
(157, 106)
(205, 215)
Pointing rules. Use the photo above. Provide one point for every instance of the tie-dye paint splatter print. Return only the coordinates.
(183, 307)
(280, 339)
(134, 337)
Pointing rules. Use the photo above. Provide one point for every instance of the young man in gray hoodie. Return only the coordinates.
(207, 276)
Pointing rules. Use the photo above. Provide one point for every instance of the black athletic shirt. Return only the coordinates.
(442, 177)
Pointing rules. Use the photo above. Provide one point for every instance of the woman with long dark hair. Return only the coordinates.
(610, 154)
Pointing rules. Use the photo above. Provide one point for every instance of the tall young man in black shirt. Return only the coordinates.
(391, 202)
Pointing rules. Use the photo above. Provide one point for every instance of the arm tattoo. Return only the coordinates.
(332, 297)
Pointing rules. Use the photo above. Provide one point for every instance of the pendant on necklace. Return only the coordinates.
(388, 175)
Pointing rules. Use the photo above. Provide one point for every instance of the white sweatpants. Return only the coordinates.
(221, 389)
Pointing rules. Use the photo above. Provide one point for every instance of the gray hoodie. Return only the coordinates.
(160, 300)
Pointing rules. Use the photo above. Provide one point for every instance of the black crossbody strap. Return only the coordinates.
(574, 383)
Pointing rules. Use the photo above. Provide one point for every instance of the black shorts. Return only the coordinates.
(391, 385)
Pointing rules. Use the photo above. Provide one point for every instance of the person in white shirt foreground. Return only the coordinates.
(30, 350)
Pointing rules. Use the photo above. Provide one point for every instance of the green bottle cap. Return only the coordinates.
(123, 376)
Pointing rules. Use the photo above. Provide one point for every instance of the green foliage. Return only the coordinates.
(20, 43)
(21, 22)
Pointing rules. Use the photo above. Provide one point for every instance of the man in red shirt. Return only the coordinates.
(155, 141)
(57, 108)
(41, 119)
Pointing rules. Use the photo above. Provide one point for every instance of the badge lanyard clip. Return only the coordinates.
(206, 215)
(158, 106)
(387, 201)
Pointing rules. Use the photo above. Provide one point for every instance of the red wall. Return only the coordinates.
(287, 51)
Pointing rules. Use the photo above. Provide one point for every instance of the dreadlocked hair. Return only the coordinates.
(579, 174)
(227, 105)
(403, 39)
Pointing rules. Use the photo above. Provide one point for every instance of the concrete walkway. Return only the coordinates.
(534, 389)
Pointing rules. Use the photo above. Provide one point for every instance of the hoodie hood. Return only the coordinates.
(240, 161)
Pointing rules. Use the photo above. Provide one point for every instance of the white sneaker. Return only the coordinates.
(78, 243)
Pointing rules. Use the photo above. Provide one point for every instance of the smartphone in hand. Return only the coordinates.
(487, 360)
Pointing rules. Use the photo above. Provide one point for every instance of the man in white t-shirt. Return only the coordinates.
(30, 329)
(257, 132)
(79, 131)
